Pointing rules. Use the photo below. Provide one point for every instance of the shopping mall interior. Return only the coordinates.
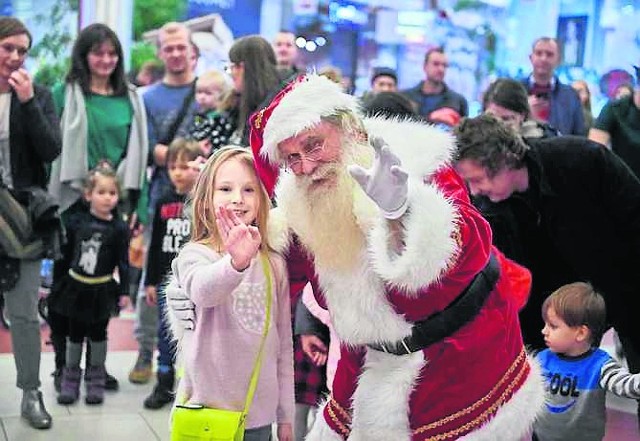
(483, 39)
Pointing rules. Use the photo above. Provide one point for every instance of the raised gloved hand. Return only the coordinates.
(386, 182)
(180, 306)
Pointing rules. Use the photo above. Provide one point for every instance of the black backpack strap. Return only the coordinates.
(173, 129)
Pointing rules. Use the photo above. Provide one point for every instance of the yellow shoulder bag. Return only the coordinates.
(199, 423)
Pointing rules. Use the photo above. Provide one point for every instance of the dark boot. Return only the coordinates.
(57, 379)
(162, 392)
(32, 409)
(70, 388)
(94, 381)
(111, 383)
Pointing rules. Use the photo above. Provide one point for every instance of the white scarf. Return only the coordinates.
(69, 170)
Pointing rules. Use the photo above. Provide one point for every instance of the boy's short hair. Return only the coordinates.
(579, 304)
(183, 149)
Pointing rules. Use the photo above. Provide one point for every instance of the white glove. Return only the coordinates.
(386, 182)
(180, 306)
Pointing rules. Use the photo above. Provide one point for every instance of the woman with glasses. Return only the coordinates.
(254, 75)
(102, 121)
(29, 141)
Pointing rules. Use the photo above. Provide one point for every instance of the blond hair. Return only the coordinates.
(104, 170)
(172, 28)
(203, 220)
(216, 78)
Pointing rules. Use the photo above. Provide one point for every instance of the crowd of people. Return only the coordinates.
(376, 267)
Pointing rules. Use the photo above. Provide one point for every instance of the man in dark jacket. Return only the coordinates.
(566, 208)
(433, 93)
(29, 140)
(551, 101)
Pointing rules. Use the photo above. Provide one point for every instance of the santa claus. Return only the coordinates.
(425, 308)
(431, 342)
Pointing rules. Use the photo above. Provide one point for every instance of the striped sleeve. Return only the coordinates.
(617, 380)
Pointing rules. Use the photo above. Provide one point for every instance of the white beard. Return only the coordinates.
(324, 218)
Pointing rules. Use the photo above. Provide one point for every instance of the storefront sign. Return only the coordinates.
(242, 16)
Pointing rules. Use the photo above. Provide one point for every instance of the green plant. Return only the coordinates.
(51, 49)
(140, 52)
(147, 14)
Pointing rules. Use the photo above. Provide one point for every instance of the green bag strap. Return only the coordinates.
(266, 268)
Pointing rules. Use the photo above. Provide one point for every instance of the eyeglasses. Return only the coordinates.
(10, 48)
(312, 152)
(228, 67)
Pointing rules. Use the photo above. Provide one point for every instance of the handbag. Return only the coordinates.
(194, 422)
(17, 239)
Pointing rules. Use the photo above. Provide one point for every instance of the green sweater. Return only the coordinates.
(108, 124)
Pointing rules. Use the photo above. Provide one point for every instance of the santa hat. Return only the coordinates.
(299, 106)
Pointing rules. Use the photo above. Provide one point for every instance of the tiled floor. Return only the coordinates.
(122, 416)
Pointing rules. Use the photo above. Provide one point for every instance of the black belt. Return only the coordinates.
(444, 323)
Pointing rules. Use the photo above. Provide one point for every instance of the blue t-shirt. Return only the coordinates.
(163, 103)
(575, 393)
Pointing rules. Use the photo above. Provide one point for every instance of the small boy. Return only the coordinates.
(211, 88)
(577, 373)
(170, 230)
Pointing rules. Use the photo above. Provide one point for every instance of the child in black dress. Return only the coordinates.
(97, 244)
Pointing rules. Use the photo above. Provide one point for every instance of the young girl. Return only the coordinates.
(84, 290)
(220, 269)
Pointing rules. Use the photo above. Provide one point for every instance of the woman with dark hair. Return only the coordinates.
(253, 70)
(507, 100)
(102, 120)
(29, 141)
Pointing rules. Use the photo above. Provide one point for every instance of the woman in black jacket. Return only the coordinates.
(29, 140)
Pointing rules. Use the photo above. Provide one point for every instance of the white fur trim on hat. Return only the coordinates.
(314, 97)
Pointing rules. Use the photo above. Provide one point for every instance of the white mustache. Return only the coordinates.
(321, 172)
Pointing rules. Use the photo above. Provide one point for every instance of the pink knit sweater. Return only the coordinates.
(219, 354)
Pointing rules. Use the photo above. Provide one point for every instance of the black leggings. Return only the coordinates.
(78, 330)
(59, 326)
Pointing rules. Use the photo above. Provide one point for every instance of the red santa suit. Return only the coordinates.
(477, 383)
